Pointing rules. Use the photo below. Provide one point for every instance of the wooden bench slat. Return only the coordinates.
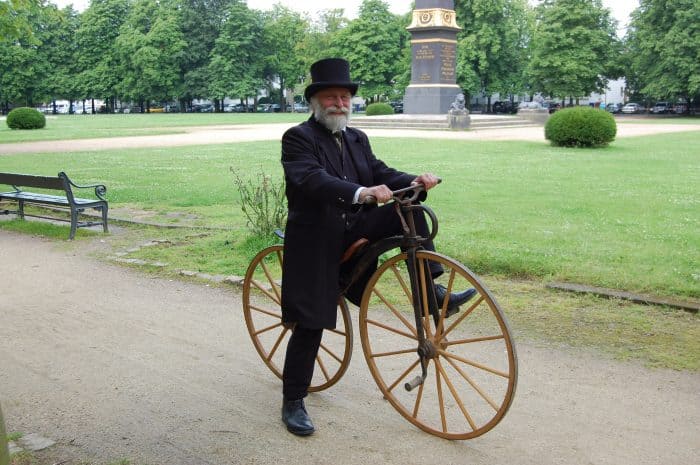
(27, 180)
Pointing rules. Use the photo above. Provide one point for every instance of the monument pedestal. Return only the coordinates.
(433, 85)
(458, 119)
(537, 115)
(429, 100)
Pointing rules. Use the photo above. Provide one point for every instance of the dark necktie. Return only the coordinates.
(338, 137)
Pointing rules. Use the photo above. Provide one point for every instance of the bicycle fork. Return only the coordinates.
(425, 349)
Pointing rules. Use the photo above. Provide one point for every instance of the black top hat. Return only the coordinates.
(330, 72)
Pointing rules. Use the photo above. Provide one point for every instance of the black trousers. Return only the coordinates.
(375, 224)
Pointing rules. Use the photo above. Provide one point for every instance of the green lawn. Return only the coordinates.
(87, 126)
(518, 213)
(625, 217)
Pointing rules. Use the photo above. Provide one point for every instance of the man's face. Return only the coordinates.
(332, 107)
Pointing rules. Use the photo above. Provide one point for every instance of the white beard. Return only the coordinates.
(332, 122)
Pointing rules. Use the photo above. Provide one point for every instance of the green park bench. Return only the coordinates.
(68, 201)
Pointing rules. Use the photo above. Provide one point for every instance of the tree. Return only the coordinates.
(30, 64)
(321, 35)
(201, 24)
(492, 46)
(237, 59)
(96, 49)
(149, 46)
(284, 31)
(574, 50)
(374, 44)
(664, 49)
(13, 19)
(58, 53)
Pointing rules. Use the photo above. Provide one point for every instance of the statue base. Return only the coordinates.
(429, 100)
(458, 119)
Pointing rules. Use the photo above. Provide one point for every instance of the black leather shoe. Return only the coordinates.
(456, 299)
(296, 418)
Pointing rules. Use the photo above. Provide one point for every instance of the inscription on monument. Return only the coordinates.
(447, 62)
(424, 52)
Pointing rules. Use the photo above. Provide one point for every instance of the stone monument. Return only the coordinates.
(433, 84)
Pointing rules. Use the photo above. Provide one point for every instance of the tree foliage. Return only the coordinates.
(149, 48)
(284, 32)
(236, 63)
(97, 48)
(664, 48)
(374, 45)
(575, 48)
(158, 50)
(13, 19)
(492, 46)
(201, 25)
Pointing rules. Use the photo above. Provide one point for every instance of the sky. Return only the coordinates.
(620, 8)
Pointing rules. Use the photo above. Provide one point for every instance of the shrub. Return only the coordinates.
(263, 202)
(374, 109)
(25, 118)
(580, 127)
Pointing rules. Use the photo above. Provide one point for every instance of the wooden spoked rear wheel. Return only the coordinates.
(471, 363)
(262, 307)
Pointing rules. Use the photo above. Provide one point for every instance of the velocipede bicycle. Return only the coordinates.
(453, 376)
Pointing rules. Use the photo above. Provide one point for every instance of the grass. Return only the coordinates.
(623, 217)
(520, 213)
(66, 127)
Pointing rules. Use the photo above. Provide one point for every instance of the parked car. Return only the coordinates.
(661, 108)
(504, 106)
(202, 108)
(301, 108)
(632, 108)
(397, 106)
(680, 108)
(613, 108)
(551, 106)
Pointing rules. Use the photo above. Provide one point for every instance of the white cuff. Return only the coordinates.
(356, 197)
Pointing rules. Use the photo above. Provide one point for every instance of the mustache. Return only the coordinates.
(334, 109)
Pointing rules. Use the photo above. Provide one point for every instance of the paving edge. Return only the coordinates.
(688, 306)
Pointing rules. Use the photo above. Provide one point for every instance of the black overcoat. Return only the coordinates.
(320, 201)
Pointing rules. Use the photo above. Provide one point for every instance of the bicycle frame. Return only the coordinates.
(410, 242)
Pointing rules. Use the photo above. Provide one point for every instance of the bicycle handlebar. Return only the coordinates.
(398, 195)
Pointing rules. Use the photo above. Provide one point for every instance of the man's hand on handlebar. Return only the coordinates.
(429, 180)
(382, 194)
(378, 194)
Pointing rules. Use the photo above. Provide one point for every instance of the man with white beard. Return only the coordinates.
(329, 172)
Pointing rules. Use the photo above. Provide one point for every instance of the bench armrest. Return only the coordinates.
(100, 189)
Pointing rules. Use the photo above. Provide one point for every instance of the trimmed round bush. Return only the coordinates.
(580, 127)
(25, 118)
(374, 109)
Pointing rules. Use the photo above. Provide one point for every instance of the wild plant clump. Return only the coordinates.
(374, 109)
(25, 118)
(263, 202)
(580, 127)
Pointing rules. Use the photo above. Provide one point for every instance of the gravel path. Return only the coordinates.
(112, 363)
(257, 132)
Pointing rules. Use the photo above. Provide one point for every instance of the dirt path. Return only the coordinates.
(257, 132)
(112, 363)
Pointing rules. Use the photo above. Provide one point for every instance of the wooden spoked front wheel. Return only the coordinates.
(471, 360)
(262, 307)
